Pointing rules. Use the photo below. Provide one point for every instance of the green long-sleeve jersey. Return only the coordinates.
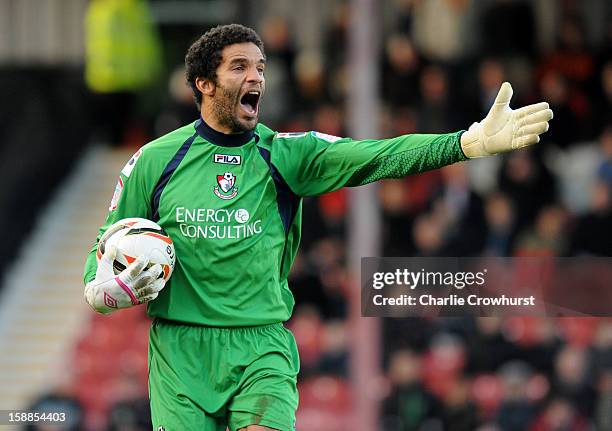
(232, 205)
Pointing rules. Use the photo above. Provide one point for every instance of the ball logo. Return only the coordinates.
(242, 216)
(170, 253)
(226, 186)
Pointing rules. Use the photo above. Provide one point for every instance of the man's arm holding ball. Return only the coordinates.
(108, 292)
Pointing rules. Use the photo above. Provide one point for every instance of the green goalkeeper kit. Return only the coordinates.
(232, 206)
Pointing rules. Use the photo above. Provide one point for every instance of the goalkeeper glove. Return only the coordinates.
(505, 129)
(109, 292)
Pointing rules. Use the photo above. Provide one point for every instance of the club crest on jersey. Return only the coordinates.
(227, 159)
(226, 188)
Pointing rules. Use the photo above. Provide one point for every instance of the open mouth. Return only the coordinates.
(250, 102)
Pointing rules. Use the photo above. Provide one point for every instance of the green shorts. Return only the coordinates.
(205, 379)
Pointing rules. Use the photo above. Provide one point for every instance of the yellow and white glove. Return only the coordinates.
(134, 285)
(505, 129)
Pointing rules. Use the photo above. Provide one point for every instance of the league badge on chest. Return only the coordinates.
(226, 186)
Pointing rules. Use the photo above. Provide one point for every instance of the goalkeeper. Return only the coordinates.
(228, 190)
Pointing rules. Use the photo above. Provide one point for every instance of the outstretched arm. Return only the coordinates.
(314, 163)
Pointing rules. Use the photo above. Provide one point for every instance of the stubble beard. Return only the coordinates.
(224, 108)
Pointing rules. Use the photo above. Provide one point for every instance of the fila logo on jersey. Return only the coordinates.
(227, 159)
(226, 186)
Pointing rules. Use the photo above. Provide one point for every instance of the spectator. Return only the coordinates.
(334, 356)
(501, 220)
(280, 57)
(603, 97)
(334, 281)
(307, 328)
(528, 183)
(591, 234)
(603, 413)
(130, 410)
(180, 109)
(489, 347)
(311, 83)
(547, 236)
(130, 415)
(537, 339)
(397, 224)
(604, 172)
(305, 283)
(458, 211)
(491, 74)
(516, 412)
(409, 405)
(555, 89)
(122, 57)
(459, 411)
(601, 350)
(400, 74)
(571, 57)
(573, 379)
(560, 415)
(427, 236)
(444, 363)
(436, 113)
(443, 29)
(59, 401)
(336, 37)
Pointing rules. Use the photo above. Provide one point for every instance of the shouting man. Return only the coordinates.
(228, 190)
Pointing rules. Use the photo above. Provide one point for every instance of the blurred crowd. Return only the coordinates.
(441, 64)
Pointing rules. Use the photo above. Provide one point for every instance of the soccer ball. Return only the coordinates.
(136, 236)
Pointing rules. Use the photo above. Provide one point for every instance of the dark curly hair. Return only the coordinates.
(204, 55)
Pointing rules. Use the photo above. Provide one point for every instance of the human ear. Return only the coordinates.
(206, 86)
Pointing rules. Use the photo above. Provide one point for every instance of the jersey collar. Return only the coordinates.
(222, 139)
